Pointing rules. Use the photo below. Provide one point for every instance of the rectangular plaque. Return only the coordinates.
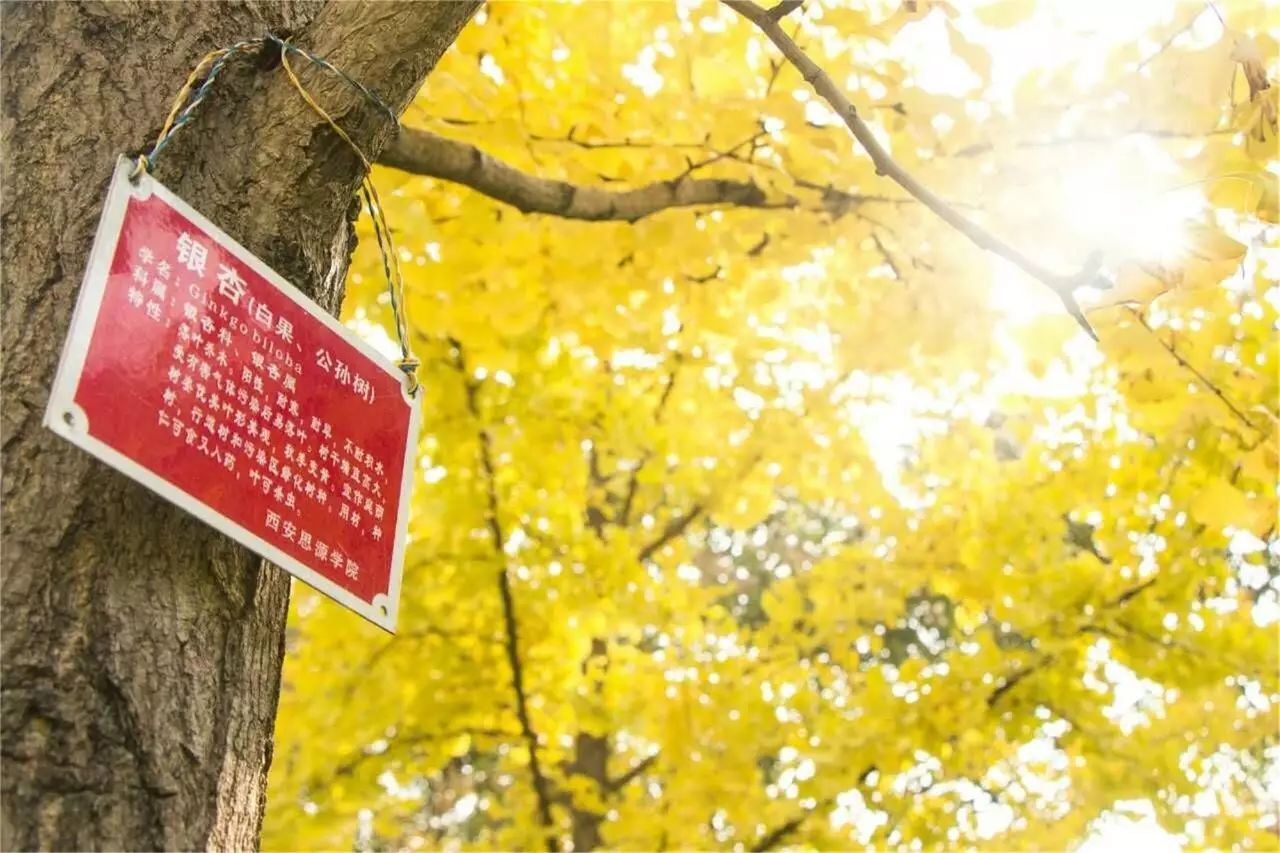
(196, 370)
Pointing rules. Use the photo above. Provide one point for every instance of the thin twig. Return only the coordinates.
(1168, 42)
(606, 144)
(1132, 591)
(1013, 680)
(674, 528)
(780, 832)
(626, 778)
(1204, 380)
(884, 253)
(624, 514)
(1213, 7)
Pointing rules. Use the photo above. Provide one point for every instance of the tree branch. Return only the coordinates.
(674, 528)
(605, 144)
(541, 788)
(352, 762)
(1062, 285)
(422, 152)
(772, 838)
(1132, 591)
(884, 253)
(1013, 680)
(786, 7)
(628, 777)
(780, 832)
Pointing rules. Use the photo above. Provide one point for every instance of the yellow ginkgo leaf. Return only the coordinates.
(1005, 13)
(1135, 284)
(975, 56)
(1220, 504)
(1213, 245)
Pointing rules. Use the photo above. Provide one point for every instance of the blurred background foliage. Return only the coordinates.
(807, 523)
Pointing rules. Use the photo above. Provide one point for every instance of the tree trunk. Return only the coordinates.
(142, 650)
(591, 757)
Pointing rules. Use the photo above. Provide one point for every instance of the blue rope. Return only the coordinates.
(347, 78)
(185, 116)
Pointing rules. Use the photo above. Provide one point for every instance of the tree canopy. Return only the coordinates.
(759, 505)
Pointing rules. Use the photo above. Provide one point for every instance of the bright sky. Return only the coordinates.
(1102, 203)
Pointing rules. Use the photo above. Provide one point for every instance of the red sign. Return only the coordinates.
(199, 372)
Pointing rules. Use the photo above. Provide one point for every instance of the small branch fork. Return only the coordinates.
(1063, 285)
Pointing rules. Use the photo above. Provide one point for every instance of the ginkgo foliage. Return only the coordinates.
(786, 515)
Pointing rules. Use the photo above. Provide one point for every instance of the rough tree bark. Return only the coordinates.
(141, 650)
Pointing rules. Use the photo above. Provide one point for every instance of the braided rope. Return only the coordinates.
(190, 97)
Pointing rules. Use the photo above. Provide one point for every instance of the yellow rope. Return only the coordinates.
(407, 363)
(320, 111)
(187, 88)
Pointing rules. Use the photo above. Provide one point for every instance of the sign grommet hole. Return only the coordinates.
(69, 418)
